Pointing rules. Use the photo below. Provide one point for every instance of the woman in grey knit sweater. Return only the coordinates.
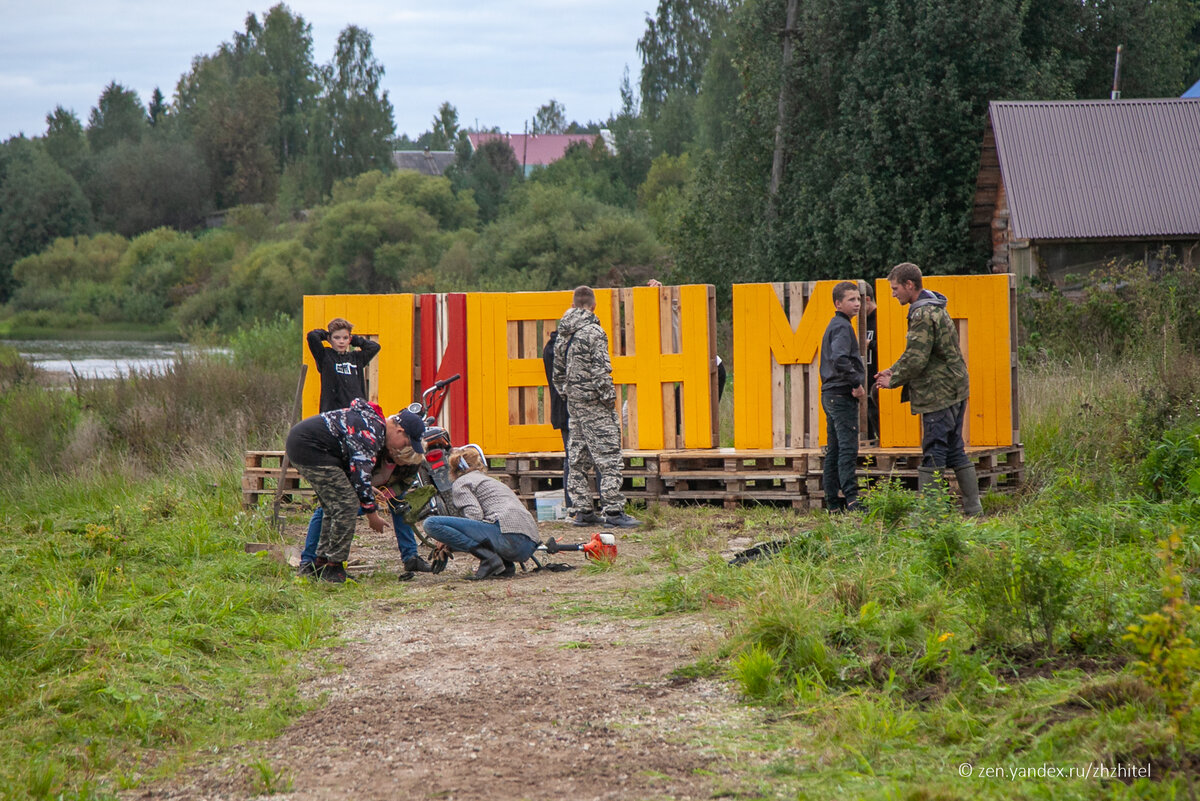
(495, 526)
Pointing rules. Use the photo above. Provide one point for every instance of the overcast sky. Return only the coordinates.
(496, 61)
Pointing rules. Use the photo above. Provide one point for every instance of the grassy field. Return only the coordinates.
(888, 649)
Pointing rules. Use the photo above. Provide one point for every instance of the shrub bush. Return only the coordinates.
(1171, 468)
(268, 346)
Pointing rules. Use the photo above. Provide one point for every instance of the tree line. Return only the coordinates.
(761, 140)
(257, 121)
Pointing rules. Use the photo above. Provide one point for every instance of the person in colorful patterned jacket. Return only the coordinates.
(933, 375)
(335, 452)
(583, 375)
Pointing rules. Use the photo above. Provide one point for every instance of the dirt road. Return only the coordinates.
(544, 686)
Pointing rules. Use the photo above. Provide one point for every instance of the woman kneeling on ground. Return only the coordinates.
(495, 526)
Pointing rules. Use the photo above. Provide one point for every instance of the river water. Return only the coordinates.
(102, 358)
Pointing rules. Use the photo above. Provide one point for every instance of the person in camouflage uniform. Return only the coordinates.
(583, 375)
(933, 376)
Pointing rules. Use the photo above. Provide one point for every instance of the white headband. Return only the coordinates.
(462, 462)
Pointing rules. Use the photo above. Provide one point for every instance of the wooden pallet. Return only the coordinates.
(724, 476)
(733, 478)
(260, 478)
(529, 473)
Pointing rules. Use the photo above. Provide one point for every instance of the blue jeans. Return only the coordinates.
(841, 452)
(463, 534)
(406, 538)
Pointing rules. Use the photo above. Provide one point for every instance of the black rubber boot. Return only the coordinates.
(925, 477)
(333, 572)
(489, 563)
(417, 565)
(968, 485)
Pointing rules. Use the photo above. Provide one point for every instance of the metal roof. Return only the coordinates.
(426, 162)
(1093, 168)
(534, 149)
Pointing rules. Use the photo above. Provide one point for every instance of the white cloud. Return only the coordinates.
(495, 61)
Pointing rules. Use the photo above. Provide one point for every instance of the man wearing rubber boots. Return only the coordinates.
(583, 375)
(934, 378)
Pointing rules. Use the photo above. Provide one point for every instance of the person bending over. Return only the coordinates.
(496, 528)
(342, 367)
(335, 452)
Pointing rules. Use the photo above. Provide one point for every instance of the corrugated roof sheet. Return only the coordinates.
(1111, 168)
(535, 149)
(426, 162)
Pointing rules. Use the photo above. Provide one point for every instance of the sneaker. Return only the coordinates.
(333, 572)
(621, 520)
(588, 518)
(306, 569)
(417, 565)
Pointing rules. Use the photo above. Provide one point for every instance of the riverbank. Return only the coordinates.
(93, 358)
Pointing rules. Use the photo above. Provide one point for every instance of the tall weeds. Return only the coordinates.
(1105, 376)
(199, 410)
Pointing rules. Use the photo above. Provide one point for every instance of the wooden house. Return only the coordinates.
(1067, 187)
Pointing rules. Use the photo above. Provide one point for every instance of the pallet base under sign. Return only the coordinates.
(725, 476)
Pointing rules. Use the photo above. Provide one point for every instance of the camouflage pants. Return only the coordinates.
(594, 443)
(340, 502)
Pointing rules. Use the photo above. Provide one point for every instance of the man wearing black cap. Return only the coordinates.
(335, 452)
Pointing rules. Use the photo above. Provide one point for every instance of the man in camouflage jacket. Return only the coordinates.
(583, 375)
(933, 375)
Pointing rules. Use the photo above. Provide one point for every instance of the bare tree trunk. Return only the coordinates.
(777, 161)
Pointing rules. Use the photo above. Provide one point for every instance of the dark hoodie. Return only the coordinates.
(342, 374)
(558, 404)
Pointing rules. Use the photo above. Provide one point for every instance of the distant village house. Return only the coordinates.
(540, 150)
(426, 162)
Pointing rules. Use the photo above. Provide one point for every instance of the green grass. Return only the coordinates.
(134, 630)
(885, 650)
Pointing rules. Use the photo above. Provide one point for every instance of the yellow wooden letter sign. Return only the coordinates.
(500, 365)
